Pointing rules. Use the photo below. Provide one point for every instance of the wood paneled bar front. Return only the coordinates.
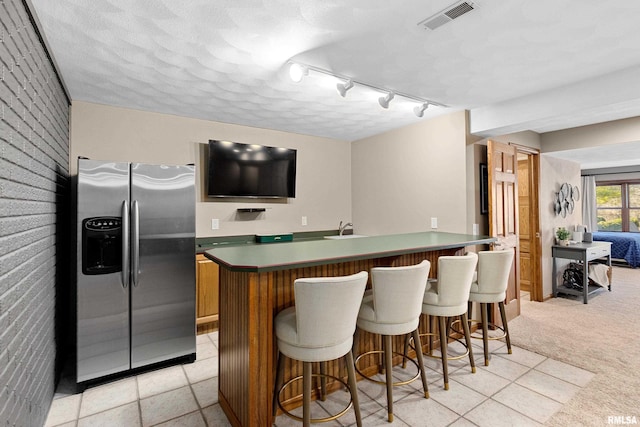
(256, 282)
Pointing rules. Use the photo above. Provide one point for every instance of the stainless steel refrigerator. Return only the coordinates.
(135, 266)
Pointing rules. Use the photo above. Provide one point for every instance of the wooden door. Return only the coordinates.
(503, 213)
(529, 223)
(525, 235)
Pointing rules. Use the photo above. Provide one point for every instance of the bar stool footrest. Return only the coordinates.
(404, 357)
(315, 420)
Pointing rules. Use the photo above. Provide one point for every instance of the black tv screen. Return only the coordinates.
(250, 170)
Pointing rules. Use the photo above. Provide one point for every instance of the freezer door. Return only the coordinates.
(102, 289)
(162, 263)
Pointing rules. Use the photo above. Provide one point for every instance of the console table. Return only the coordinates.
(583, 252)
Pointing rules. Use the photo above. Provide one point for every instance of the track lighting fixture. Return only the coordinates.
(385, 100)
(298, 71)
(419, 110)
(344, 87)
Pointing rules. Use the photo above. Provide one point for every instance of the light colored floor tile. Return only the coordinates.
(521, 356)
(416, 410)
(494, 414)
(528, 402)
(338, 400)
(462, 422)
(69, 424)
(201, 370)
(317, 411)
(459, 398)
(379, 419)
(549, 386)
(108, 396)
(483, 381)
(566, 372)
(126, 415)
(168, 405)
(206, 350)
(214, 416)
(63, 410)
(505, 368)
(193, 419)
(203, 338)
(162, 380)
(206, 392)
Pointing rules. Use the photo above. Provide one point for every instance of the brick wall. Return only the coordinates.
(34, 185)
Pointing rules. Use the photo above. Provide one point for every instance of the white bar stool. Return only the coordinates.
(494, 269)
(447, 297)
(319, 328)
(392, 308)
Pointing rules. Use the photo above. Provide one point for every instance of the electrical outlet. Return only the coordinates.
(434, 223)
(304, 220)
(215, 223)
(476, 230)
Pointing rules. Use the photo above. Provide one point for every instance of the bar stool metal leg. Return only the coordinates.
(442, 324)
(351, 371)
(388, 359)
(306, 394)
(485, 331)
(505, 326)
(418, 344)
(467, 338)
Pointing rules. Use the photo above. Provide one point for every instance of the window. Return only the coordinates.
(618, 206)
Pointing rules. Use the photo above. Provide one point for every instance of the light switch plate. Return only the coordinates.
(304, 220)
(215, 223)
(434, 222)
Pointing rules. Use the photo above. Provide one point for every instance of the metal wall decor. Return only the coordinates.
(566, 199)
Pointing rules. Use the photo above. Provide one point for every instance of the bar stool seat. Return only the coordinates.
(490, 286)
(392, 308)
(448, 297)
(319, 328)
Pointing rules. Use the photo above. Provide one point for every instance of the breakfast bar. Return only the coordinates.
(256, 282)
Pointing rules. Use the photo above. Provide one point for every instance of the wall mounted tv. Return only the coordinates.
(250, 170)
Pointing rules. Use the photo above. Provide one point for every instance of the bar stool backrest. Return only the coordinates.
(327, 308)
(494, 268)
(398, 292)
(455, 275)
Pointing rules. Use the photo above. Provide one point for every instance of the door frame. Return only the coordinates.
(533, 160)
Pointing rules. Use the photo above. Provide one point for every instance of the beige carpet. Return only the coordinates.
(602, 337)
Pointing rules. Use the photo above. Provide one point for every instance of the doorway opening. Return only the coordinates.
(529, 225)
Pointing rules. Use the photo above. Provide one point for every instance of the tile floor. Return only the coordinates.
(522, 388)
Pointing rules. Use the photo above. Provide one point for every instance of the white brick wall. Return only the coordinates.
(34, 207)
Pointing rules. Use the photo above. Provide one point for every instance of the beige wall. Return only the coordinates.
(614, 132)
(323, 192)
(553, 173)
(404, 177)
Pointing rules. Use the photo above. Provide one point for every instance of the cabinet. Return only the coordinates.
(583, 252)
(206, 295)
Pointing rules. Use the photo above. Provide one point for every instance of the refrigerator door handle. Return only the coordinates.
(124, 273)
(135, 242)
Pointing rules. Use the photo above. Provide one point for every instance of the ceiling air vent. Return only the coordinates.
(447, 15)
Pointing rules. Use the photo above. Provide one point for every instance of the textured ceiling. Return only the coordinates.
(516, 65)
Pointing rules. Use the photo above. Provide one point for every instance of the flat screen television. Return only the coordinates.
(250, 170)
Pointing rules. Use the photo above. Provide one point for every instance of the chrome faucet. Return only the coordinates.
(342, 227)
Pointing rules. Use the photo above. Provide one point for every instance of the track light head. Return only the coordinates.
(344, 87)
(385, 100)
(419, 110)
(297, 72)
